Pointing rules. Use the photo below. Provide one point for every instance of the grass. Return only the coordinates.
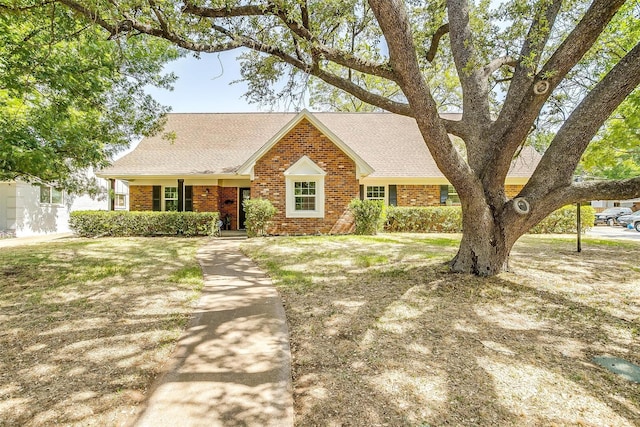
(87, 325)
(382, 334)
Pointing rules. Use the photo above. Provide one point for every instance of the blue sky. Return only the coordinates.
(204, 85)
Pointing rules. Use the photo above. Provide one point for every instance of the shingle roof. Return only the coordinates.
(219, 143)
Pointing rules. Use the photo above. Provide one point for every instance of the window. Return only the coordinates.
(120, 201)
(305, 195)
(375, 192)
(50, 195)
(305, 189)
(449, 195)
(170, 198)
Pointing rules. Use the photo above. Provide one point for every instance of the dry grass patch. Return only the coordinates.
(87, 325)
(382, 334)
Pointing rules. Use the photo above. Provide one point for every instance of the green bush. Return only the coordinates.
(563, 221)
(259, 213)
(368, 214)
(124, 223)
(448, 219)
(432, 219)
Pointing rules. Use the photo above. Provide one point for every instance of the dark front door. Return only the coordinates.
(245, 194)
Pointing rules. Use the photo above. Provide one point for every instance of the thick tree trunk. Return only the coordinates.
(485, 246)
(483, 252)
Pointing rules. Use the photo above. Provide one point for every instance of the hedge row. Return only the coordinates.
(563, 221)
(436, 219)
(124, 223)
(448, 219)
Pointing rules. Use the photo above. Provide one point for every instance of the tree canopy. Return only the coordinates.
(70, 98)
(511, 65)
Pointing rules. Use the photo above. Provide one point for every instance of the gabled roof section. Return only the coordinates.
(206, 144)
(304, 166)
(363, 167)
(222, 145)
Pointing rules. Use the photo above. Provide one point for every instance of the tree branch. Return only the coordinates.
(529, 59)
(435, 41)
(497, 63)
(226, 12)
(561, 158)
(474, 83)
(603, 190)
(528, 92)
(395, 26)
(301, 30)
(571, 193)
(339, 57)
(362, 94)
(314, 69)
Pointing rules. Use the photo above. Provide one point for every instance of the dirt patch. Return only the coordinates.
(397, 340)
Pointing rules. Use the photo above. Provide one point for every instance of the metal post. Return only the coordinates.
(579, 227)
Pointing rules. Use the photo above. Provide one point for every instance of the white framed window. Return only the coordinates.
(305, 189)
(170, 198)
(375, 192)
(449, 195)
(50, 195)
(304, 193)
(120, 201)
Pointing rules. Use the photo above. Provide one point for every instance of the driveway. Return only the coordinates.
(613, 233)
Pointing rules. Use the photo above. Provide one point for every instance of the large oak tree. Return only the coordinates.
(509, 62)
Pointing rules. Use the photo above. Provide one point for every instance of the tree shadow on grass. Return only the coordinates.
(85, 325)
(415, 345)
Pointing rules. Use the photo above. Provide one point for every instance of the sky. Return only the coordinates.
(204, 85)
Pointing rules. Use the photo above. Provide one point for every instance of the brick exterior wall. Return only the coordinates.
(340, 183)
(418, 195)
(204, 201)
(140, 197)
(429, 195)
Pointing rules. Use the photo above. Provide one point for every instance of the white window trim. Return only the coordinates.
(50, 202)
(115, 203)
(164, 197)
(386, 193)
(304, 170)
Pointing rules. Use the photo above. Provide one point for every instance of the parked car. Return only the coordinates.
(610, 216)
(633, 220)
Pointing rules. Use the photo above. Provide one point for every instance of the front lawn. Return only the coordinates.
(87, 325)
(382, 334)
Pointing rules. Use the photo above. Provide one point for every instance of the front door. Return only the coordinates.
(245, 194)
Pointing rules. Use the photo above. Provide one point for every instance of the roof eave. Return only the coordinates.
(131, 177)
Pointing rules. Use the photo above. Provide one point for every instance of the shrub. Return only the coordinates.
(368, 214)
(448, 219)
(432, 219)
(259, 213)
(124, 223)
(563, 220)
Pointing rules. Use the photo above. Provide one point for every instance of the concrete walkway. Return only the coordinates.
(233, 363)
